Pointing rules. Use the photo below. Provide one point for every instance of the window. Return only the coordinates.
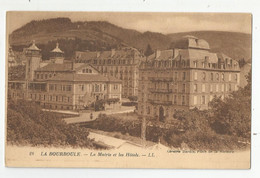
(229, 87)
(195, 100)
(229, 77)
(217, 77)
(211, 88)
(222, 77)
(211, 76)
(51, 87)
(176, 75)
(195, 64)
(96, 88)
(203, 100)
(195, 75)
(115, 87)
(175, 99)
(46, 76)
(217, 88)
(68, 88)
(195, 87)
(184, 76)
(204, 76)
(37, 76)
(82, 87)
(203, 64)
(203, 87)
(50, 75)
(183, 88)
(236, 78)
(183, 100)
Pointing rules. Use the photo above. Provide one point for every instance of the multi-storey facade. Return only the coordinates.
(185, 77)
(121, 64)
(60, 84)
(11, 58)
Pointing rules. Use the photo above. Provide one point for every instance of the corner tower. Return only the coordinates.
(33, 59)
(57, 55)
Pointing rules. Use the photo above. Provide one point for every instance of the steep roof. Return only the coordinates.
(112, 54)
(83, 78)
(194, 54)
(185, 54)
(57, 49)
(55, 67)
(191, 42)
(33, 47)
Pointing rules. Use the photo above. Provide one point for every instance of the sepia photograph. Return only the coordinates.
(128, 89)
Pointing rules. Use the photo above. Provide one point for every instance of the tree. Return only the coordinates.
(233, 114)
(148, 50)
(241, 62)
(132, 98)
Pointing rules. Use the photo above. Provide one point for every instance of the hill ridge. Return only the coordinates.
(97, 35)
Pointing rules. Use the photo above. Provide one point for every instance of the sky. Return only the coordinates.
(146, 21)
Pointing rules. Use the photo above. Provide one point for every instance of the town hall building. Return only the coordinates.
(61, 84)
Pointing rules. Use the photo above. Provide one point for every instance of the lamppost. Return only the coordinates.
(143, 131)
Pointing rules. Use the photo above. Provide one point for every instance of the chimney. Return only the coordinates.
(98, 53)
(113, 51)
(175, 53)
(157, 53)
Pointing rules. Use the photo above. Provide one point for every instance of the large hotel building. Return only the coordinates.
(60, 84)
(185, 77)
(121, 63)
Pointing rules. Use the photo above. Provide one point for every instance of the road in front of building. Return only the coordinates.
(86, 117)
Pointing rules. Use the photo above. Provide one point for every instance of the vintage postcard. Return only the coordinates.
(128, 90)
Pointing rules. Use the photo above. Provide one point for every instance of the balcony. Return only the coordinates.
(159, 102)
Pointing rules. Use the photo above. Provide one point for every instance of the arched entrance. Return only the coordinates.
(161, 114)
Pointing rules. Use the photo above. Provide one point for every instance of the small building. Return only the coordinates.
(183, 78)
(61, 84)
